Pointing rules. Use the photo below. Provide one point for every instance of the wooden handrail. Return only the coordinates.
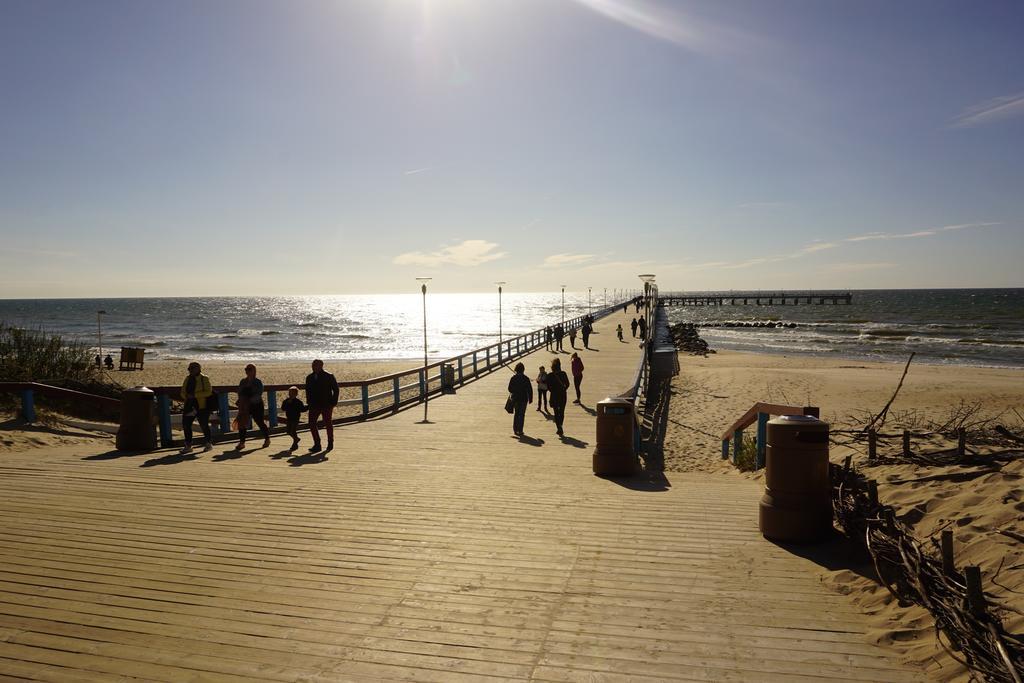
(750, 417)
(48, 390)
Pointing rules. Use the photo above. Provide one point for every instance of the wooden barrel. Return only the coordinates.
(797, 503)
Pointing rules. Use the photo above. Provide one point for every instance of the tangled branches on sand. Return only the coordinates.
(966, 629)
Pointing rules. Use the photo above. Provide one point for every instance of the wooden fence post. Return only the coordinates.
(28, 405)
(906, 443)
(948, 565)
(975, 596)
(737, 444)
(163, 410)
(725, 449)
(397, 391)
(365, 392)
(872, 444)
(762, 436)
(961, 442)
(272, 407)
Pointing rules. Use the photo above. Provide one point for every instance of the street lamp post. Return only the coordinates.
(590, 308)
(648, 279)
(426, 373)
(500, 285)
(563, 307)
(99, 336)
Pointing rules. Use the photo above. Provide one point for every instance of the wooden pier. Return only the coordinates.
(758, 299)
(447, 552)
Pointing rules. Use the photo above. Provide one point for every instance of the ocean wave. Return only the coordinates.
(1004, 343)
(267, 333)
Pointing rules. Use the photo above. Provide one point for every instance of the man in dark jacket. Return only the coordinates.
(521, 390)
(321, 397)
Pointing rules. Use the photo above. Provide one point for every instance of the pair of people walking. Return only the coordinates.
(552, 389)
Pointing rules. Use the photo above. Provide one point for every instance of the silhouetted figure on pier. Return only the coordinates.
(521, 391)
(618, 331)
(633, 325)
(321, 396)
(577, 375)
(572, 337)
(196, 392)
(642, 326)
(587, 329)
(558, 386)
(293, 409)
(559, 336)
(542, 389)
(250, 405)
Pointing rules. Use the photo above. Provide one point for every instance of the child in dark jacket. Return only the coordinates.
(293, 409)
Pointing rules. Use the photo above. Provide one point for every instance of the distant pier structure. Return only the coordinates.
(758, 299)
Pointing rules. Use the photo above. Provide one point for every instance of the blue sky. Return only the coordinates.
(315, 146)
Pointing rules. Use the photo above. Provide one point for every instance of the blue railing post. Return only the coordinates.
(397, 391)
(272, 406)
(224, 410)
(725, 449)
(737, 444)
(366, 398)
(762, 435)
(163, 410)
(28, 405)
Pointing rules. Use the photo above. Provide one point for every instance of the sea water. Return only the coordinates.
(961, 326)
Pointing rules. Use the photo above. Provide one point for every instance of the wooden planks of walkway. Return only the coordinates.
(421, 552)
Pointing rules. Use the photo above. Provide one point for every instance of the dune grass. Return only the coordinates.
(34, 355)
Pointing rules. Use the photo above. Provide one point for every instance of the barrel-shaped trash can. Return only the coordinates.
(797, 502)
(614, 455)
(447, 378)
(137, 431)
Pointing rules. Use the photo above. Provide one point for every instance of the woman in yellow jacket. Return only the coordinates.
(196, 391)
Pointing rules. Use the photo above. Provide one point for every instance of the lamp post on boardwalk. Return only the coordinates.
(99, 337)
(426, 374)
(590, 308)
(648, 279)
(563, 306)
(500, 285)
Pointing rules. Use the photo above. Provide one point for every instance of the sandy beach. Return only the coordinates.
(979, 502)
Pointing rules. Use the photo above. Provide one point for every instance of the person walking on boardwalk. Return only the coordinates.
(572, 337)
(293, 409)
(643, 328)
(577, 375)
(618, 331)
(634, 325)
(558, 386)
(521, 391)
(250, 405)
(542, 389)
(559, 335)
(322, 397)
(196, 392)
(587, 329)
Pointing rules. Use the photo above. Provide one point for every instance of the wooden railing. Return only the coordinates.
(28, 391)
(385, 395)
(760, 413)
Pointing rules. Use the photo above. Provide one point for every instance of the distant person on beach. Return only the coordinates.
(321, 395)
(618, 331)
(293, 409)
(109, 362)
(196, 391)
(99, 361)
(542, 389)
(250, 405)
(633, 325)
(558, 385)
(577, 374)
(521, 391)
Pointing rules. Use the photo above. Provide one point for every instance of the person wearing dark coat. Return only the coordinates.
(293, 409)
(558, 386)
(520, 388)
(321, 397)
(643, 328)
(633, 325)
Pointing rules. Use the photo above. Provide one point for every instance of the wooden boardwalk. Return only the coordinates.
(443, 552)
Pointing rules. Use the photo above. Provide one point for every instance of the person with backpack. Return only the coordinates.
(521, 392)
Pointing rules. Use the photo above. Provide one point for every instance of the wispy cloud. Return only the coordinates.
(990, 111)
(816, 246)
(563, 260)
(415, 171)
(466, 253)
(669, 23)
(856, 267)
(39, 252)
(930, 232)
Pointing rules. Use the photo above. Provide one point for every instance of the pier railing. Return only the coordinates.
(378, 396)
(759, 413)
(28, 391)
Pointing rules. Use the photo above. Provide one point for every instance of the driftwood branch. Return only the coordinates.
(885, 410)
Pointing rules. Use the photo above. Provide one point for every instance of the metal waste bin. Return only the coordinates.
(138, 420)
(447, 378)
(797, 502)
(615, 454)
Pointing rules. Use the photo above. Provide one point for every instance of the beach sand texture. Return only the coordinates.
(978, 502)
